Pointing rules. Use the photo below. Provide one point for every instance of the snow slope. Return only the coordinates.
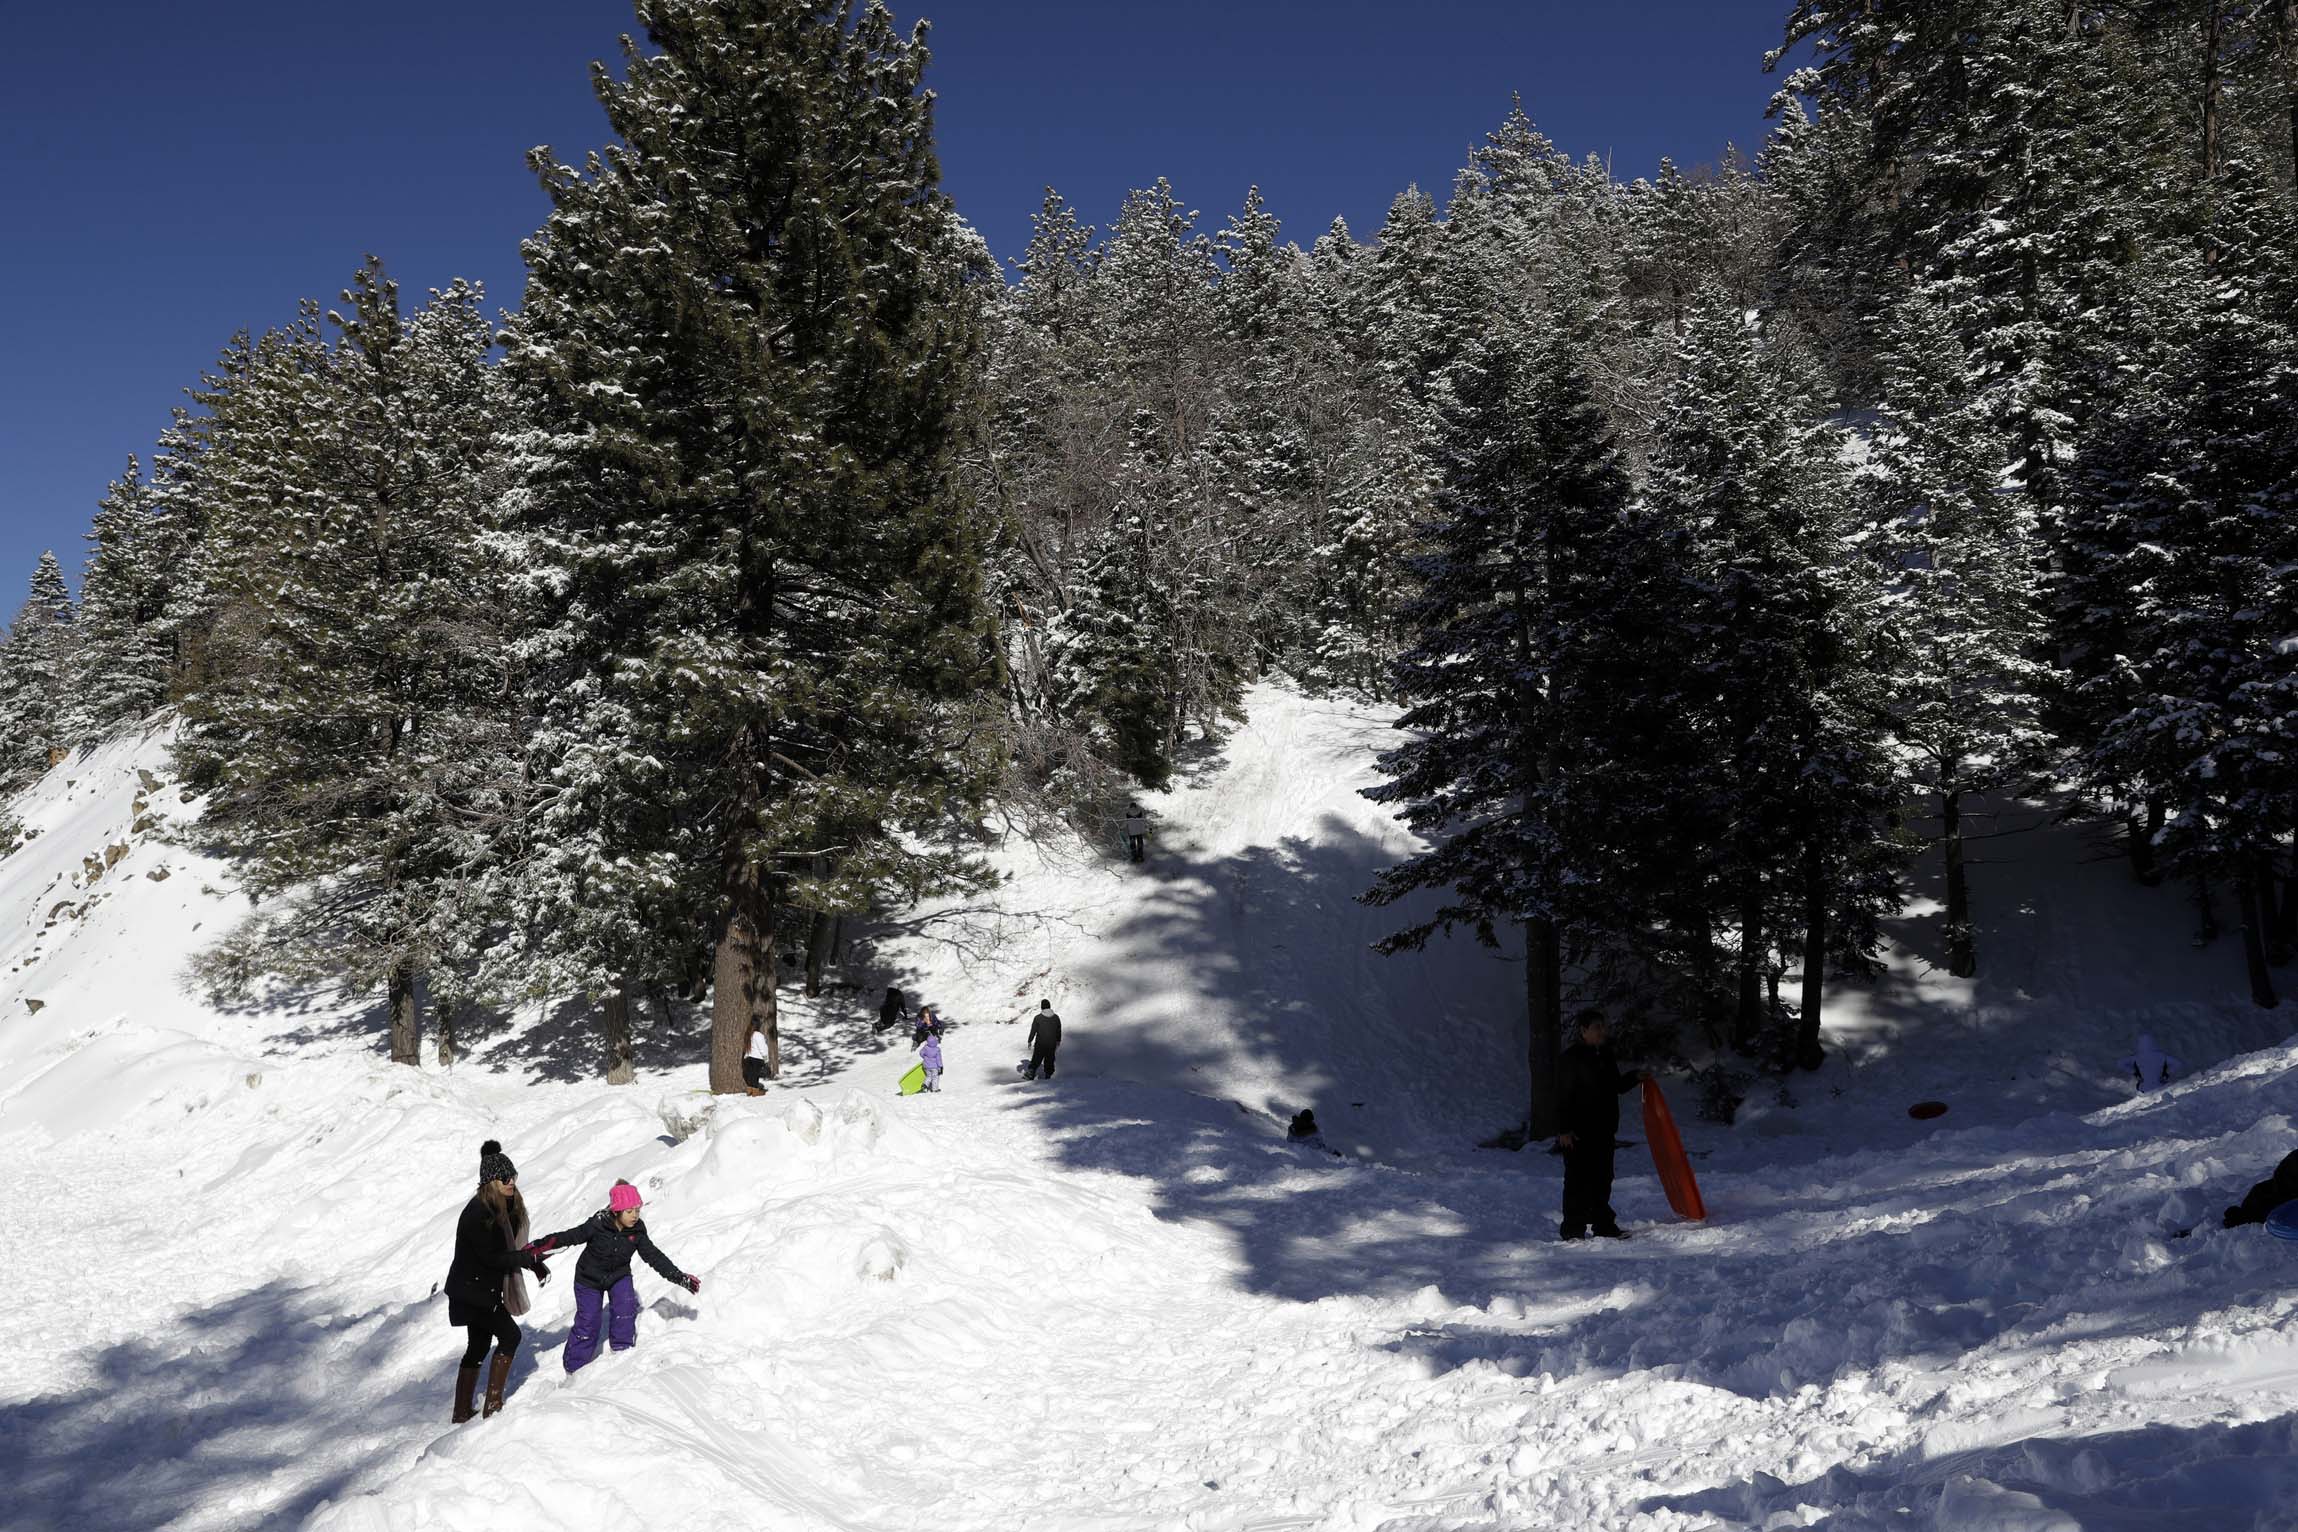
(1123, 1300)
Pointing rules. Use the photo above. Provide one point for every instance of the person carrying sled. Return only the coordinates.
(1044, 1041)
(2267, 1195)
(1589, 1085)
(754, 1059)
(484, 1288)
(602, 1276)
(2149, 1065)
(1136, 834)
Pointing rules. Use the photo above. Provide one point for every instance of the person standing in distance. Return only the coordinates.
(1589, 1085)
(1044, 1041)
(1136, 834)
(754, 1059)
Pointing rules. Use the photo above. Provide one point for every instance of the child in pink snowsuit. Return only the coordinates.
(930, 1055)
(602, 1275)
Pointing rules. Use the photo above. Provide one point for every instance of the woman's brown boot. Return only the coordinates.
(466, 1384)
(498, 1374)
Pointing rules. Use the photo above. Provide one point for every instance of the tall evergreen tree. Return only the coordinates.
(2179, 544)
(354, 725)
(746, 357)
(1532, 488)
(36, 665)
(125, 653)
(1775, 607)
(1959, 550)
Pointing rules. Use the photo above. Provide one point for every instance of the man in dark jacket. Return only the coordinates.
(2267, 1195)
(1589, 1084)
(1044, 1041)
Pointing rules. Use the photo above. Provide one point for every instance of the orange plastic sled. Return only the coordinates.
(1668, 1156)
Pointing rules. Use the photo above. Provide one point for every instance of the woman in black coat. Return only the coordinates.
(484, 1289)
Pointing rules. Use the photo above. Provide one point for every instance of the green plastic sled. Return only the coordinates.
(915, 1080)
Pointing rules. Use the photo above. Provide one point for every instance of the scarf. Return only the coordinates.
(511, 1218)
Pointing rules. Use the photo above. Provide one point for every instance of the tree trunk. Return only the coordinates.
(1808, 1052)
(1699, 934)
(2285, 941)
(1747, 1022)
(620, 1070)
(2289, 30)
(744, 985)
(1962, 957)
(1544, 1008)
(406, 1019)
(2205, 902)
(2213, 50)
(2140, 829)
(2246, 896)
(818, 939)
(444, 1026)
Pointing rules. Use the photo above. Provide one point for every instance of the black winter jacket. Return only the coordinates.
(606, 1251)
(1045, 1029)
(1589, 1085)
(2267, 1195)
(483, 1257)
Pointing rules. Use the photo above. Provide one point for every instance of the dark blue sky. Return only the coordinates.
(178, 171)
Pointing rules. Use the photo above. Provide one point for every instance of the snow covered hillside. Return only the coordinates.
(1122, 1299)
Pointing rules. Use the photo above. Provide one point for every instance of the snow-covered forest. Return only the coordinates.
(1730, 535)
(1658, 599)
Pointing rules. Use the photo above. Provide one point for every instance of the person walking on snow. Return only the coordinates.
(608, 1240)
(2149, 1065)
(1589, 1085)
(1136, 834)
(930, 1055)
(1044, 1041)
(754, 1060)
(484, 1288)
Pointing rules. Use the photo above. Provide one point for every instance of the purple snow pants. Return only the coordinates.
(621, 1325)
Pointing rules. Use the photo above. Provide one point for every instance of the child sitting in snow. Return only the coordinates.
(2149, 1065)
(609, 1239)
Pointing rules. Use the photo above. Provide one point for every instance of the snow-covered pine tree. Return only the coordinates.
(1959, 551)
(1402, 277)
(2182, 530)
(126, 650)
(354, 721)
(1774, 605)
(745, 352)
(1261, 437)
(36, 665)
(1532, 487)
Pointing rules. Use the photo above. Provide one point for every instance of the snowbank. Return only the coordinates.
(1124, 1300)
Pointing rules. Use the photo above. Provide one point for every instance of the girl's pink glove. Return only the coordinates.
(694, 1284)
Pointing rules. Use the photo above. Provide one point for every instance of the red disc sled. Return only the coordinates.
(1668, 1156)
(1922, 1109)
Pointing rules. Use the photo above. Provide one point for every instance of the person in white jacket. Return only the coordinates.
(2150, 1066)
(1136, 833)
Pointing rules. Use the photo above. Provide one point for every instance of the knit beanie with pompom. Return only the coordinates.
(494, 1165)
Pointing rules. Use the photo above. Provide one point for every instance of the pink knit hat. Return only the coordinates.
(623, 1198)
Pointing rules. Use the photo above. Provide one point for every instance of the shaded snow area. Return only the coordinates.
(1122, 1299)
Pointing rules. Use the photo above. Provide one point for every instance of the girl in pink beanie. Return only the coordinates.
(609, 1239)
